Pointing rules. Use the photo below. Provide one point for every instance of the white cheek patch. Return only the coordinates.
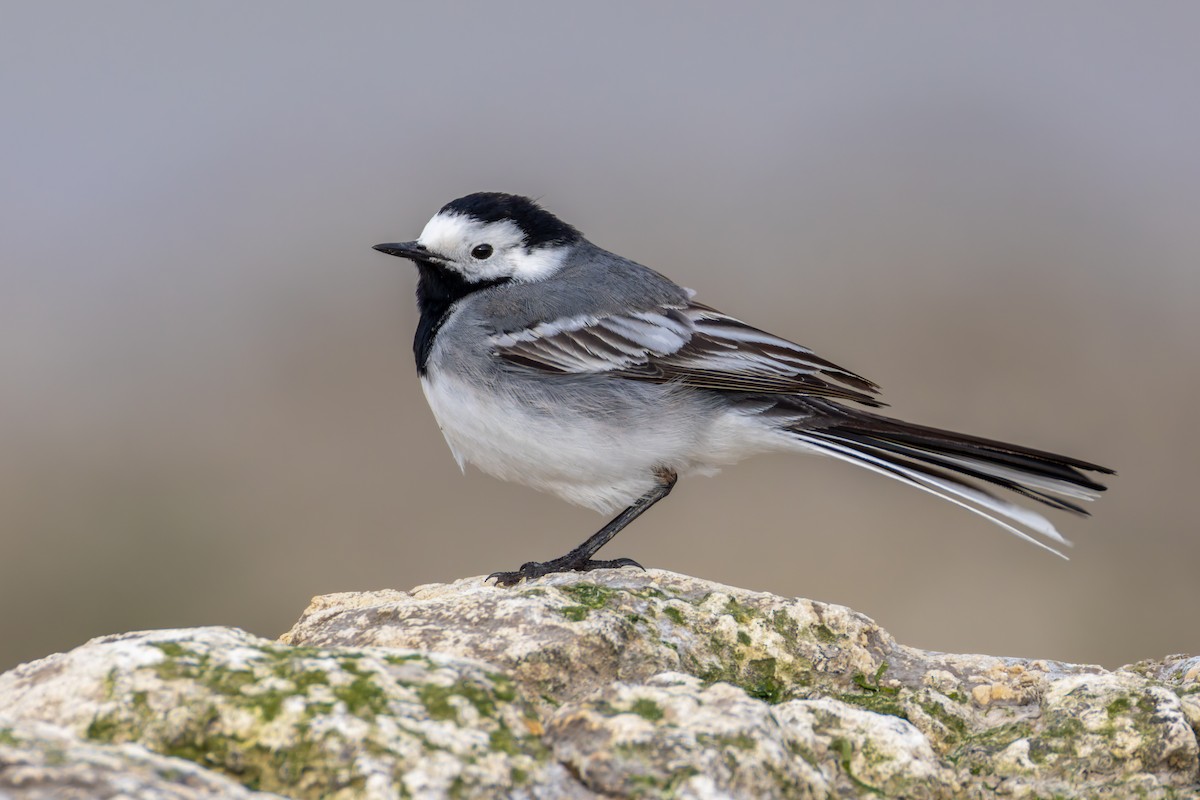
(533, 265)
(455, 235)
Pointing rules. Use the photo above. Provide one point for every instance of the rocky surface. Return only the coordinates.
(45, 762)
(612, 684)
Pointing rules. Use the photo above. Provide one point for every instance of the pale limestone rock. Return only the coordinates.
(45, 762)
(862, 751)
(300, 721)
(672, 736)
(618, 684)
(564, 636)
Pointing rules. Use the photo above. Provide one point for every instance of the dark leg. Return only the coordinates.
(580, 559)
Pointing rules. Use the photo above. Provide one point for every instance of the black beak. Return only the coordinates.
(410, 250)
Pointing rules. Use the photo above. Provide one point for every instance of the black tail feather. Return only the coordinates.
(947, 464)
(1040, 463)
(931, 457)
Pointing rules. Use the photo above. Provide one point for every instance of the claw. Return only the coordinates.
(536, 569)
(505, 578)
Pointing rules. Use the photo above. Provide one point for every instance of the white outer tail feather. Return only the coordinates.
(986, 505)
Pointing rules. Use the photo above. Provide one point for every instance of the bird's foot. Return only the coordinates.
(536, 569)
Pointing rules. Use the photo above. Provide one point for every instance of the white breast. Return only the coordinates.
(601, 463)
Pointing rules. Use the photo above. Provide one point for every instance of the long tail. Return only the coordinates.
(941, 462)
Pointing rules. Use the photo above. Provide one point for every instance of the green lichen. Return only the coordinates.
(646, 708)
(660, 786)
(803, 753)
(824, 633)
(845, 752)
(738, 741)
(873, 684)
(875, 696)
(104, 728)
(7, 737)
(741, 613)
(405, 658)
(304, 769)
(172, 649)
(589, 595)
(502, 740)
(763, 671)
(363, 697)
(302, 760)
(437, 700)
(300, 668)
(1064, 728)
(502, 687)
(1066, 736)
(786, 627)
(758, 677)
(956, 728)
(977, 751)
(298, 770)
(140, 701)
(762, 681)
(180, 663)
(1118, 707)
(674, 614)
(878, 703)
(575, 613)
(269, 704)
(1001, 736)
(110, 684)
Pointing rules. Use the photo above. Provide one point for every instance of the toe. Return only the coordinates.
(505, 578)
(615, 563)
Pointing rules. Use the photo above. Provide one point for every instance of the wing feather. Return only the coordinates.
(691, 344)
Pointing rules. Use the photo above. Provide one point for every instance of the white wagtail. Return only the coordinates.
(557, 364)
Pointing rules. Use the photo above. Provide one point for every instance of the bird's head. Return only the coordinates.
(490, 237)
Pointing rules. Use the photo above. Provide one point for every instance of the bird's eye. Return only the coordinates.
(482, 251)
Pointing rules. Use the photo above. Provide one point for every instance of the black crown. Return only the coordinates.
(539, 225)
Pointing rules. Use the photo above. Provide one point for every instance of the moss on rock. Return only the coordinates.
(615, 683)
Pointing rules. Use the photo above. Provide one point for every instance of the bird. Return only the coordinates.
(554, 363)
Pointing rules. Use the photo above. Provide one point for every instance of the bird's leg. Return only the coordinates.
(580, 559)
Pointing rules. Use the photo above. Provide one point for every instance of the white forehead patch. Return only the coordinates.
(455, 235)
(449, 233)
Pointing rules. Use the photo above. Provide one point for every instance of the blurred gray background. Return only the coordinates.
(208, 408)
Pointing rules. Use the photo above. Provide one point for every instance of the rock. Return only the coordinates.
(614, 684)
(43, 762)
(300, 721)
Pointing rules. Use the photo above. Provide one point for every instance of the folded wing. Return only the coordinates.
(691, 344)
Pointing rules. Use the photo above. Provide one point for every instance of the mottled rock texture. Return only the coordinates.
(44, 762)
(611, 684)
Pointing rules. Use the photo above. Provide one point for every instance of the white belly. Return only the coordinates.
(601, 463)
